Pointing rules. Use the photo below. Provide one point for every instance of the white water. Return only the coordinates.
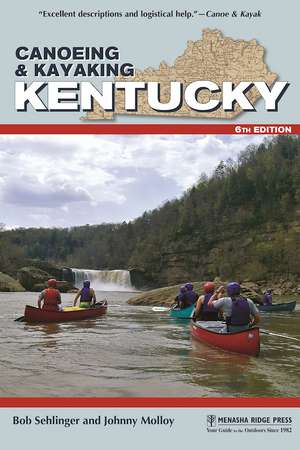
(104, 280)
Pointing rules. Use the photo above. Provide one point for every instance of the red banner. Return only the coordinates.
(149, 129)
(148, 402)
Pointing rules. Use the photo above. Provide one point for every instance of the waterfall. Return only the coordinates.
(104, 280)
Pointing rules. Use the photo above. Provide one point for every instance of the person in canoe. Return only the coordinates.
(267, 298)
(187, 297)
(202, 310)
(190, 297)
(50, 298)
(179, 299)
(240, 312)
(87, 296)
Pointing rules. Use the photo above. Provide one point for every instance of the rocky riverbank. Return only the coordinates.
(9, 284)
(33, 277)
(165, 296)
(35, 280)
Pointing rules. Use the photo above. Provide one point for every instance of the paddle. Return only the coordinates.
(164, 308)
(20, 319)
(160, 309)
(279, 335)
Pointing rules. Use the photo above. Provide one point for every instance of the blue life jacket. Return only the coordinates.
(240, 313)
(86, 295)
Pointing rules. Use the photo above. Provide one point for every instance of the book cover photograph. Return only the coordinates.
(150, 224)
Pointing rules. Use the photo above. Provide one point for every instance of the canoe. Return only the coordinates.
(33, 314)
(289, 306)
(179, 313)
(246, 341)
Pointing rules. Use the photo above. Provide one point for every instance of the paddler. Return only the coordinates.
(179, 299)
(240, 312)
(50, 297)
(190, 297)
(87, 296)
(202, 310)
(267, 298)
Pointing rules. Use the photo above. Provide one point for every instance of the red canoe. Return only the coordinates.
(247, 341)
(33, 314)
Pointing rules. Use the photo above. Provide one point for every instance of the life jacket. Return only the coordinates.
(178, 299)
(240, 312)
(190, 298)
(208, 312)
(267, 299)
(86, 295)
(51, 299)
(205, 306)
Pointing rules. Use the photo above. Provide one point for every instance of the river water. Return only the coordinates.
(133, 351)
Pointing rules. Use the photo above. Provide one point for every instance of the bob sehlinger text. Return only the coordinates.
(105, 421)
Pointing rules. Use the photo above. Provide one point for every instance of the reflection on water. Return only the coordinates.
(234, 373)
(133, 351)
(47, 328)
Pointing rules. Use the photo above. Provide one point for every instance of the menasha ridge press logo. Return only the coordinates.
(249, 424)
(211, 420)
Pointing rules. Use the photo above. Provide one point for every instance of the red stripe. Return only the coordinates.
(148, 402)
(148, 129)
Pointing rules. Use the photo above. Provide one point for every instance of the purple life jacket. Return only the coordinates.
(208, 312)
(179, 299)
(267, 299)
(240, 313)
(190, 298)
(86, 295)
(206, 308)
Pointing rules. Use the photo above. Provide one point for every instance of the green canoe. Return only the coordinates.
(290, 306)
(179, 313)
